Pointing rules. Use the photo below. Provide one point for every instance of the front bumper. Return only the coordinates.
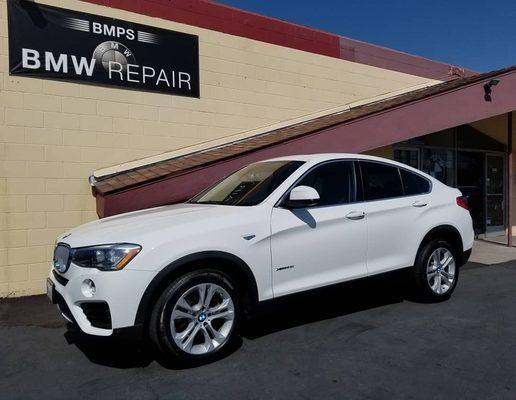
(114, 304)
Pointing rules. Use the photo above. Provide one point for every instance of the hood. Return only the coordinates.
(134, 226)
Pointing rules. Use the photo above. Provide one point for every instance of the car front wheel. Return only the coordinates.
(195, 319)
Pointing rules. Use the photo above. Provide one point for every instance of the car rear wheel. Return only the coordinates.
(195, 320)
(436, 271)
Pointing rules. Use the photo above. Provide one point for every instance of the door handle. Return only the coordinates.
(419, 204)
(355, 215)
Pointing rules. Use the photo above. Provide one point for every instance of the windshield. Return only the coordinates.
(250, 185)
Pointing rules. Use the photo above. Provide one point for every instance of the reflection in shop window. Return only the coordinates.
(495, 207)
(439, 164)
(407, 156)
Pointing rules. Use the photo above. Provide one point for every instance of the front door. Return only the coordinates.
(495, 204)
(315, 246)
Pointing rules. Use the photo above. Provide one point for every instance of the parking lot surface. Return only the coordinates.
(361, 340)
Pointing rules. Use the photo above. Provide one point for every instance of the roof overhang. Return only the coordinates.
(358, 129)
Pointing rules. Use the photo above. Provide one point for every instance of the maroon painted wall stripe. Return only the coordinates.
(222, 18)
(233, 21)
(369, 54)
(433, 114)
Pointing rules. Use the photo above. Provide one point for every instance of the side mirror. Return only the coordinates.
(302, 196)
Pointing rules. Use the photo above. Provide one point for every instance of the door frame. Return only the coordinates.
(497, 230)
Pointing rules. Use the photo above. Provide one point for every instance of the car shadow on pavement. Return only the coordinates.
(112, 352)
(326, 303)
(124, 353)
(272, 316)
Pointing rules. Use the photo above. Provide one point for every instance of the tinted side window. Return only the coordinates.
(413, 183)
(335, 182)
(381, 181)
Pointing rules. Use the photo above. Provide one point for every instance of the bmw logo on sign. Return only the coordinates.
(55, 43)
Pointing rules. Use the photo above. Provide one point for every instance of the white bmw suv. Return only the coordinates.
(186, 274)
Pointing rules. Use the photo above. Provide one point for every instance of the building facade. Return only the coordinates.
(256, 75)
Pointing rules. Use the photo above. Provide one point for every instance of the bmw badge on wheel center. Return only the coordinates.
(56, 43)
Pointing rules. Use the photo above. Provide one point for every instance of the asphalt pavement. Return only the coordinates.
(361, 340)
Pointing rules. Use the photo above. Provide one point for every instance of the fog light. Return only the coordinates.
(88, 288)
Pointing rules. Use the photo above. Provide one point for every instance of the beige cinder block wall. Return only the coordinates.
(53, 134)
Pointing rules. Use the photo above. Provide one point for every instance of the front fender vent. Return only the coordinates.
(97, 312)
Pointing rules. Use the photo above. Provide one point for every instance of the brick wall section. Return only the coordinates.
(54, 134)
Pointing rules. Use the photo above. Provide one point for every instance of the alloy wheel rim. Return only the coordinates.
(440, 270)
(202, 319)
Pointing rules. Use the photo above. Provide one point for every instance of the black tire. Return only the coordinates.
(160, 331)
(421, 283)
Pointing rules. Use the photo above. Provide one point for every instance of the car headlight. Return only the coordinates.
(108, 257)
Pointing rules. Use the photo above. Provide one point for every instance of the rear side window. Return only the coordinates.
(334, 181)
(380, 181)
(413, 183)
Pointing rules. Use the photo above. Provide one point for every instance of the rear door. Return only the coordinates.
(324, 244)
(395, 199)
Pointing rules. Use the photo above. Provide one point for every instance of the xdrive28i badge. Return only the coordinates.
(55, 43)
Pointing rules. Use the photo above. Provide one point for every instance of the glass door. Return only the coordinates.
(471, 182)
(495, 195)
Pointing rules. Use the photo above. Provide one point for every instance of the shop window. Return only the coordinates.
(408, 157)
(470, 138)
(439, 163)
(445, 138)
